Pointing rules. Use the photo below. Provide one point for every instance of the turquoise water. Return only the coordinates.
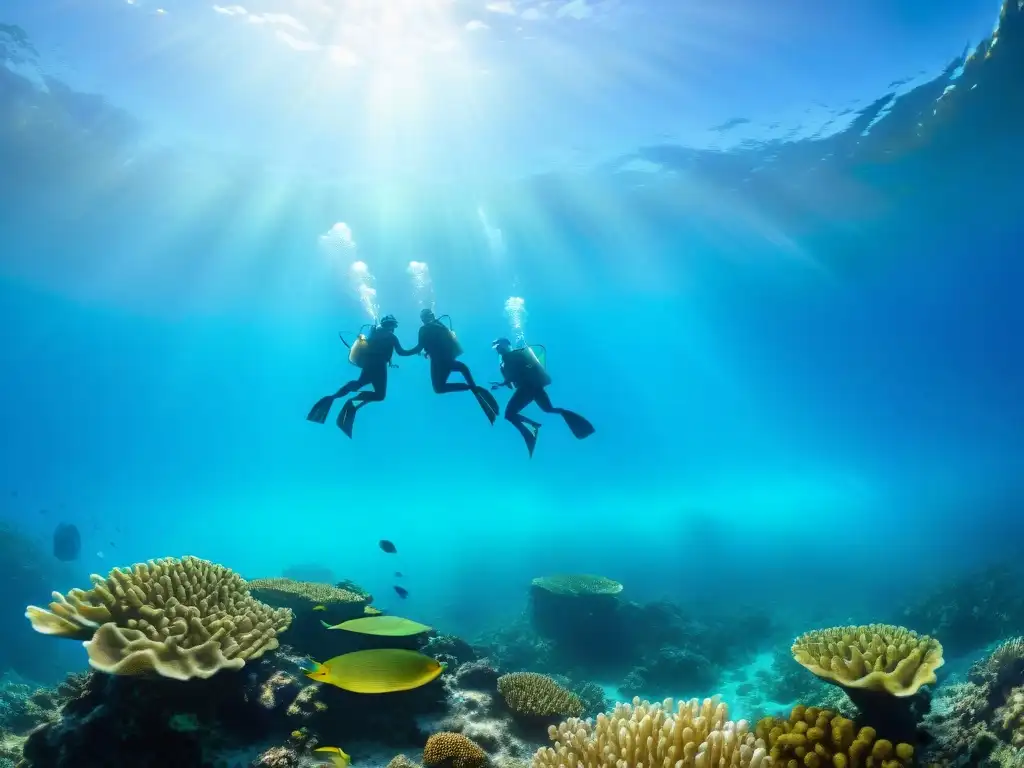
(793, 327)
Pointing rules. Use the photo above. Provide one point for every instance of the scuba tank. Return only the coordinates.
(449, 342)
(532, 372)
(357, 352)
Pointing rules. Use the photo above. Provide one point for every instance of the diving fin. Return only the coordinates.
(531, 437)
(322, 407)
(487, 402)
(579, 426)
(347, 418)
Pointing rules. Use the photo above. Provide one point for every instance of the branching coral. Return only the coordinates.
(575, 584)
(815, 738)
(876, 657)
(691, 735)
(453, 748)
(529, 694)
(178, 618)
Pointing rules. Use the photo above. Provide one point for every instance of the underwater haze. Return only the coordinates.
(772, 253)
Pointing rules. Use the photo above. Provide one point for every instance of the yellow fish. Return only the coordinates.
(380, 670)
(319, 607)
(369, 610)
(385, 626)
(337, 757)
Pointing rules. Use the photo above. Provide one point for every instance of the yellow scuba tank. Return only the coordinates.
(357, 352)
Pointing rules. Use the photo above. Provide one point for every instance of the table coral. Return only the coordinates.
(180, 619)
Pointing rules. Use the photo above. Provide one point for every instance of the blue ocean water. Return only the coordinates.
(772, 257)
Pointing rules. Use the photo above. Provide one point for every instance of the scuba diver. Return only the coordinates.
(373, 355)
(522, 370)
(437, 341)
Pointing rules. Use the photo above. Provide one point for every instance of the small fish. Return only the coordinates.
(387, 546)
(369, 610)
(380, 670)
(399, 574)
(337, 757)
(402, 591)
(319, 607)
(112, 545)
(384, 626)
(100, 554)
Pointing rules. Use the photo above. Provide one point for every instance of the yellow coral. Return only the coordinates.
(815, 737)
(461, 751)
(876, 657)
(534, 695)
(691, 735)
(178, 618)
(575, 584)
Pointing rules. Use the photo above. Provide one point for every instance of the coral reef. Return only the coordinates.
(449, 649)
(570, 610)
(674, 668)
(972, 610)
(531, 695)
(455, 749)
(882, 668)
(263, 712)
(977, 723)
(693, 734)
(333, 605)
(177, 618)
(577, 585)
(816, 738)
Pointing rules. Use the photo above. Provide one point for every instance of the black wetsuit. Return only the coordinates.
(517, 373)
(382, 346)
(435, 339)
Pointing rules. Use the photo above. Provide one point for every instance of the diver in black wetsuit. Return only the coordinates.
(521, 369)
(374, 361)
(438, 342)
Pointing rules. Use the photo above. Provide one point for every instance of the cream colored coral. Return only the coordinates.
(875, 657)
(178, 618)
(296, 593)
(575, 584)
(534, 695)
(692, 734)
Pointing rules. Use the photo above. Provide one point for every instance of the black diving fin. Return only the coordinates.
(347, 417)
(487, 402)
(578, 425)
(322, 407)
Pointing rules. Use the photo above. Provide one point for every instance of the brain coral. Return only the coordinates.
(876, 657)
(692, 735)
(178, 618)
(819, 737)
(454, 747)
(577, 584)
(533, 695)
